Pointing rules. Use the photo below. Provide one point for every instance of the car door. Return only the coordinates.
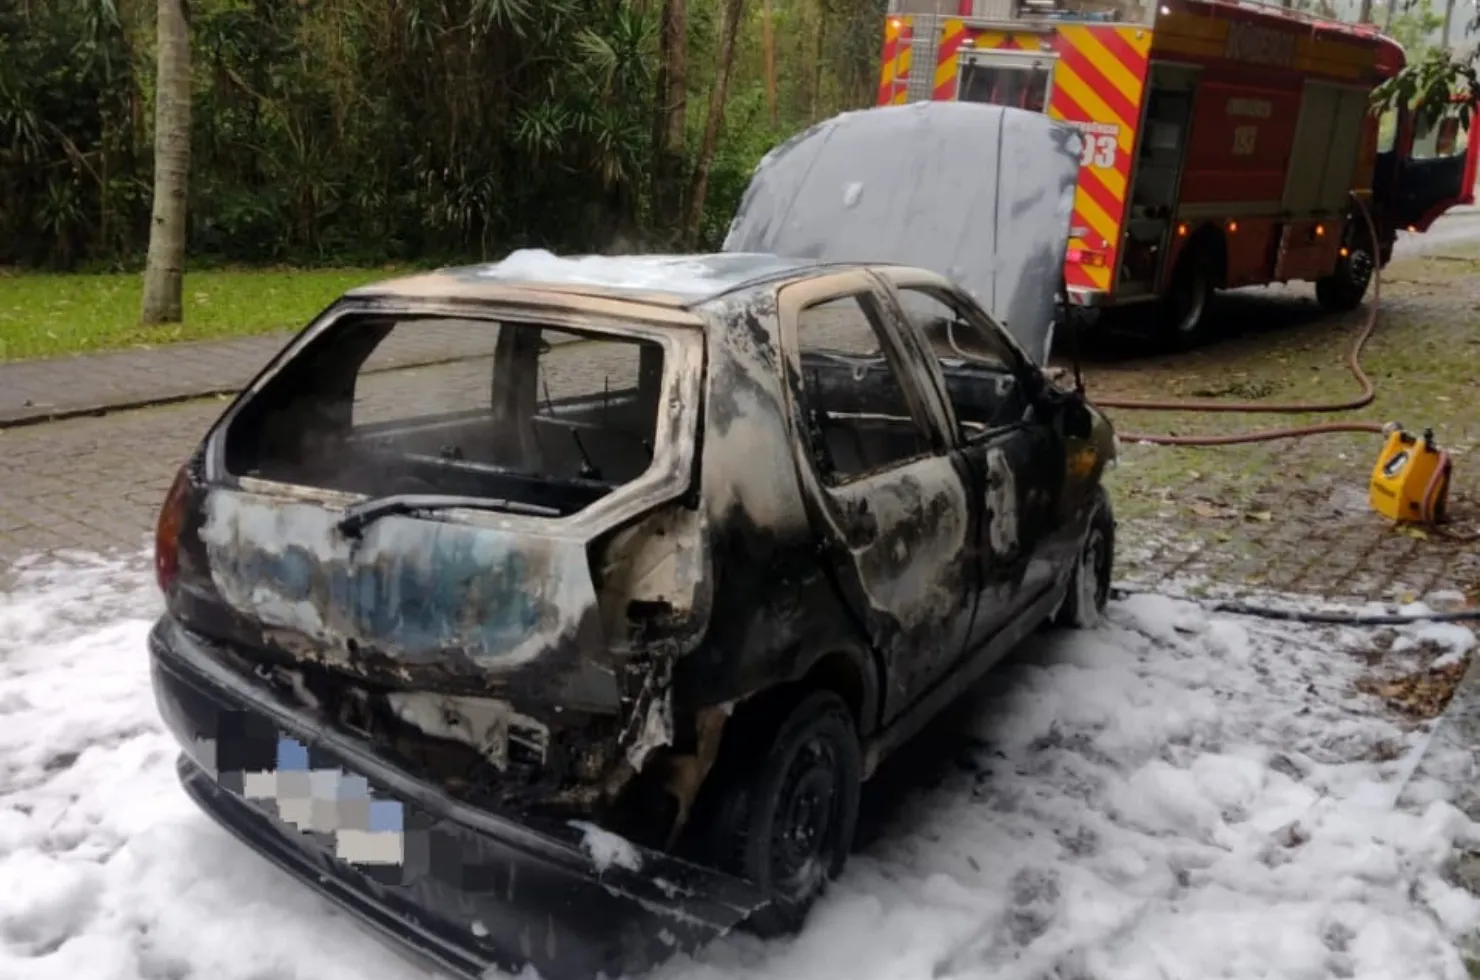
(1013, 457)
(1436, 173)
(891, 509)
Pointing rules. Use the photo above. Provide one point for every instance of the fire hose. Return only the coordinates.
(1366, 397)
(1354, 364)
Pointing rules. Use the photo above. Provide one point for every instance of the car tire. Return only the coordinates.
(789, 808)
(1089, 584)
(1182, 321)
(1345, 287)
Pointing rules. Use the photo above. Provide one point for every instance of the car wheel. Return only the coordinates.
(789, 809)
(1344, 288)
(1089, 584)
(1182, 316)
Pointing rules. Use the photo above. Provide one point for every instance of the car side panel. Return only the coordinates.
(900, 541)
(774, 609)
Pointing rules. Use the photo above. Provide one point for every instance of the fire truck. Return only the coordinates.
(1225, 144)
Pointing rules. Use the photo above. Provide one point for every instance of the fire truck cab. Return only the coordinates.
(1226, 144)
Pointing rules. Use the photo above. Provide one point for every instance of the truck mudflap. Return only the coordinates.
(467, 889)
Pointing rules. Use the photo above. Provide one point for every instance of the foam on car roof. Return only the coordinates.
(685, 275)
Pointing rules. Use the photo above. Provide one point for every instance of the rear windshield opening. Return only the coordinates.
(434, 405)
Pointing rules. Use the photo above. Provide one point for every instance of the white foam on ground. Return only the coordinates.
(1175, 795)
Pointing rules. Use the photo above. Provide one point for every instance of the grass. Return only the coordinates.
(52, 315)
(1244, 504)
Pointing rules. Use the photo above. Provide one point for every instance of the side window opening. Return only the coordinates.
(855, 414)
(1387, 130)
(978, 365)
(516, 411)
(1442, 138)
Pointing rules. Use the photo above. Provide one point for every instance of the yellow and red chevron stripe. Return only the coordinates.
(953, 35)
(894, 77)
(892, 27)
(1097, 85)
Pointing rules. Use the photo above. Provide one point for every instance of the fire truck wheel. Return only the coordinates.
(1183, 318)
(1344, 288)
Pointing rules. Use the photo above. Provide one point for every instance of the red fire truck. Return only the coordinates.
(1224, 142)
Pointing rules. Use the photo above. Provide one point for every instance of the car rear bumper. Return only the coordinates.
(466, 888)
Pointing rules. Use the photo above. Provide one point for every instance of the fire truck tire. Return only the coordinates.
(1182, 320)
(1344, 288)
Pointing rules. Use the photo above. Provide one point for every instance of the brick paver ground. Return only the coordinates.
(33, 391)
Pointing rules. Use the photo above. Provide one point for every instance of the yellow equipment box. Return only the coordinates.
(1410, 483)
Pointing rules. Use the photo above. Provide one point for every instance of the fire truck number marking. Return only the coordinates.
(1099, 151)
(1243, 140)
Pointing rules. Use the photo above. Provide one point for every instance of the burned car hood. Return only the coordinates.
(981, 194)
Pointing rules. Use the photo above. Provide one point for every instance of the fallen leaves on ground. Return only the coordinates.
(1422, 694)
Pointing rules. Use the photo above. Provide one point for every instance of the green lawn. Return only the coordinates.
(48, 315)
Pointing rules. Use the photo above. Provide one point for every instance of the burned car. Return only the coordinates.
(572, 645)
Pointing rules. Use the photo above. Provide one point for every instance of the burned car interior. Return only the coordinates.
(858, 419)
(546, 418)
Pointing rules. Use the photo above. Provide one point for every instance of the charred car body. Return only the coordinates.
(577, 650)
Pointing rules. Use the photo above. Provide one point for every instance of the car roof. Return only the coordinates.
(675, 281)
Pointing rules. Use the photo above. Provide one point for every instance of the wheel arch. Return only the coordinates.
(852, 672)
(1206, 239)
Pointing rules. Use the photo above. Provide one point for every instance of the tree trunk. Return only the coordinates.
(770, 44)
(164, 273)
(729, 28)
(669, 120)
(1448, 22)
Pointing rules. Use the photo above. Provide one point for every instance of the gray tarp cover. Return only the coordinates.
(979, 193)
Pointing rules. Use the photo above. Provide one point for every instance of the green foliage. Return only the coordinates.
(368, 131)
(1436, 85)
(1413, 27)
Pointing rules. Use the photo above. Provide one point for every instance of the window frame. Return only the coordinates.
(933, 420)
(1023, 61)
(1021, 366)
(671, 475)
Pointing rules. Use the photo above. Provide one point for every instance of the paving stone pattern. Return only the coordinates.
(88, 383)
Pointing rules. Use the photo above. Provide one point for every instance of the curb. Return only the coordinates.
(98, 410)
(1448, 765)
(40, 416)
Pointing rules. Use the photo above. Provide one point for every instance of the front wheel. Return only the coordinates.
(787, 815)
(1089, 583)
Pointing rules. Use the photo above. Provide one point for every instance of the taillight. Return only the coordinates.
(167, 531)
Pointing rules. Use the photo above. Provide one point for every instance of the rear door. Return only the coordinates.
(1014, 462)
(892, 509)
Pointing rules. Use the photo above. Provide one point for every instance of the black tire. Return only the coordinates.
(1345, 287)
(1089, 584)
(788, 810)
(1182, 321)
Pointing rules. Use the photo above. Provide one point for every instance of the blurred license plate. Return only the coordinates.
(332, 803)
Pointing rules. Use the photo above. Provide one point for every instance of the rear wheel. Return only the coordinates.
(1344, 288)
(1089, 583)
(788, 809)
(1182, 316)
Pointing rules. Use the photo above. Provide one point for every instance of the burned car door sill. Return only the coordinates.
(360, 515)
